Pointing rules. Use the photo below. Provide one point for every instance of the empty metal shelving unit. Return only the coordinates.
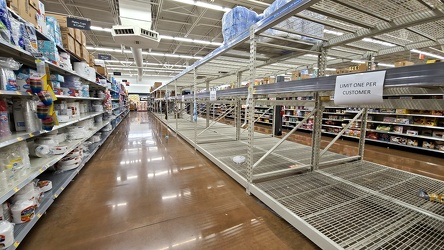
(336, 201)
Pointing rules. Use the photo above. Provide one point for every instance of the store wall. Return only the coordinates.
(143, 86)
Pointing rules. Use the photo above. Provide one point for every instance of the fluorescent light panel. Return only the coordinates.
(189, 40)
(427, 54)
(144, 53)
(204, 5)
(145, 63)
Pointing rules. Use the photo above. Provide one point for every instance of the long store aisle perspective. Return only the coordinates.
(148, 189)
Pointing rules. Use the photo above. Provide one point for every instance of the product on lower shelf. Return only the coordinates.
(6, 234)
(431, 196)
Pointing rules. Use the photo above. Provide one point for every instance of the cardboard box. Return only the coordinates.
(78, 36)
(69, 43)
(403, 63)
(91, 60)
(78, 50)
(26, 9)
(70, 31)
(83, 40)
(85, 54)
(157, 84)
(101, 70)
(61, 19)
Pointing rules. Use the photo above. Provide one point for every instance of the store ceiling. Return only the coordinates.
(341, 17)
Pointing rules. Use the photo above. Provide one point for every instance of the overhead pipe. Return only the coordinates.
(138, 59)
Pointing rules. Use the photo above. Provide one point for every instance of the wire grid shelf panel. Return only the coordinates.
(389, 9)
(226, 149)
(408, 36)
(287, 186)
(426, 233)
(382, 179)
(348, 50)
(330, 21)
(408, 192)
(274, 163)
(353, 169)
(434, 29)
(343, 11)
(356, 221)
(313, 201)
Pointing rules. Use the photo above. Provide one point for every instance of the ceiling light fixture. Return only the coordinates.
(370, 40)
(144, 53)
(189, 40)
(204, 5)
(166, 65)
(96, 28)
(259, 2)
(427, 54)
(333, 32)
(386, 65)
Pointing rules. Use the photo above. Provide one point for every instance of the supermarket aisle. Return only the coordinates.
(147, 189)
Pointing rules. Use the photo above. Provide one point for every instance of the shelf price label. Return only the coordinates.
(16, 189)
(360, 89)
(213, 95)
(16, 244)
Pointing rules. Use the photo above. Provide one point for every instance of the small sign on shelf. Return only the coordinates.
(362, 88)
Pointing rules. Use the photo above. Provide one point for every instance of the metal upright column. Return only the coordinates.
(238, 108)
(250, 109)
(176, 108)
(207, 106)
(166, 103)
(317, 127)
(364, 117)
(194, 116)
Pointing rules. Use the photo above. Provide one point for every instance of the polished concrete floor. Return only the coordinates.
(148, 189)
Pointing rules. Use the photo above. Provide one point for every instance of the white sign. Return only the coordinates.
(363, 88)
(213, 95)
(183, 98)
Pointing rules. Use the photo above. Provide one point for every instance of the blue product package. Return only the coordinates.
(54, 29)
(49, 50)
(31, 38)
(18, 33)
(237, 21)
(5, 23)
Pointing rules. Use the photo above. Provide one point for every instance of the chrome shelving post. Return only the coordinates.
(238, 108)
(207, 106)
(176, 108)
(250, 107)
(167, 103)
(318, 110)
(194, 110)
(364, 117)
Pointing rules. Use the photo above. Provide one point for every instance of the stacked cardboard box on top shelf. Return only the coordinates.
(352, 69)
(32, 11)
(303, 74)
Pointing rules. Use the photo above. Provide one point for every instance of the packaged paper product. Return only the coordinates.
(237, 21)
(4, 120)
(49, 50)
(5, 23)
(5, 212)
(15, 161)
(54, 30)
(6, 234)
(8, 80)
(17, 33)
(23, 211)
(30, 38)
